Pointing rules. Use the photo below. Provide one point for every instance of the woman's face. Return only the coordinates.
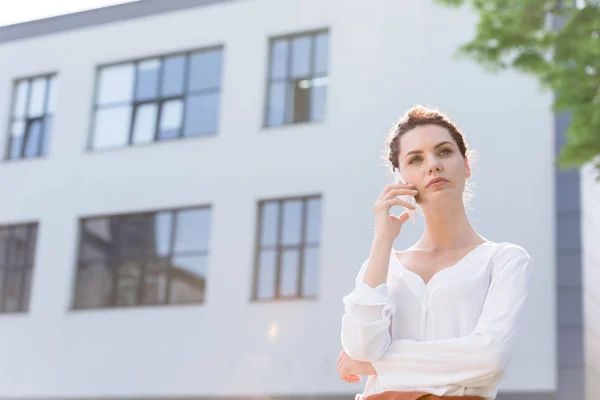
(428, 152)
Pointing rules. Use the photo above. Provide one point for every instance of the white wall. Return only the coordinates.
(385, 56)
(590, 227)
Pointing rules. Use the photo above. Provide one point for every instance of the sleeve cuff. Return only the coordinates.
(366, 296)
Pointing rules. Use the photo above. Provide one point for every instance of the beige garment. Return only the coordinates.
(393, 395)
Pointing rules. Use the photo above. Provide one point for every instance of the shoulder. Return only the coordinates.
(510, 250)
(507, 253)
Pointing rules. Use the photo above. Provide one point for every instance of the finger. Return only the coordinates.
(352, 378)
(402, 217)
(392, 186)
(387, 204)
(400, 192)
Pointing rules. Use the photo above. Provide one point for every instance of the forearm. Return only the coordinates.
(377, 268)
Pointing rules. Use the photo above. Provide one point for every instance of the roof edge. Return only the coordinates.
(97, 16)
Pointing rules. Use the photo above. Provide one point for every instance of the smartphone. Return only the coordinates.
(410, 199)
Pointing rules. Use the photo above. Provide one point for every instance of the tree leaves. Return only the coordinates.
(560, 46)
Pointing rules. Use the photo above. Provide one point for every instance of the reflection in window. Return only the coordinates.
(143, 259)
(17, 250)
(298, 79)
(31, 117)
(166, 97)
(287, 256)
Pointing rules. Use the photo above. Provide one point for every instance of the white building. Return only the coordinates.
(152, 149)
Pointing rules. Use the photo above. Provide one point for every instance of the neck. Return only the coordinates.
(447, 228)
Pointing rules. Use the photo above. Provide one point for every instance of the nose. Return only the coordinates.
(436, 166)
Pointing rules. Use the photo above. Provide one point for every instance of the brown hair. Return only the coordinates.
(419, 116)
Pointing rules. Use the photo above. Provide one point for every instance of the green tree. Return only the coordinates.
(558, 42)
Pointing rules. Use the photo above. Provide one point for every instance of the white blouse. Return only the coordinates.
(452, 336)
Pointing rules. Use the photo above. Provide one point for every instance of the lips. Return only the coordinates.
(436, 180)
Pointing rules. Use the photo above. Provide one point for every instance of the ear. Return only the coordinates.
(467, 167)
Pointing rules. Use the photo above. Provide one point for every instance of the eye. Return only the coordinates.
(446, 150)
(413, 159)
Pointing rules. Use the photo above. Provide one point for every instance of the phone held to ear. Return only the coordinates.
(412, 214)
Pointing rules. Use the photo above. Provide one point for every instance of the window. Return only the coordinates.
(143, 259)
(17, 249)
(31, 117)
(298, 79)
(287, 261)
(157, 99)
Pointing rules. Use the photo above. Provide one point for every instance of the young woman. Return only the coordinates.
(439, 318)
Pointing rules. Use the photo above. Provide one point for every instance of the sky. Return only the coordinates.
(28, 10)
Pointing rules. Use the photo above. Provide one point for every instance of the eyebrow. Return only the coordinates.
(420, 151)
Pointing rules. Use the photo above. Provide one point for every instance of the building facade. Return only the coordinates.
(189, 189)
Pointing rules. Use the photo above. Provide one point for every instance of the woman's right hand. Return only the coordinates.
(387, 226)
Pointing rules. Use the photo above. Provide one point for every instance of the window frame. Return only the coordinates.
(158, 100)
(289, 37)
(279, 248)
(49, 76)
(73, 306)
(24, 304)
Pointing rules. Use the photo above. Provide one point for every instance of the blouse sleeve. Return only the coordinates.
(471, 360)
(366, 320)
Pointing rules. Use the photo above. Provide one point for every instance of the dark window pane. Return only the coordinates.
(155, 282)
(47, 135)
(115, 84)
(133, 232)
(128, 283)
(20, 102)
(292, 222)
(266, 274)
(97, 241)
(288, 285)
(25, 288)
(3, 277)
(147, 79)
(51, 106)
(4, 246)
(15, 250)
(268, 227)
(111, 128)
(144, 123)
(300, 101)
(313, 221)
(94, 285)
(17, 136)
(192, 230)
(33, 136)
(188, 279)
(160, 242)
(31, 244)
(170, 119)
(276, 108)
(12, 294)
(310, 272)
(19, 246)
(301, 49)
(279, 58)
(37, 97)
(173, 76)
(201, 114)
(318, 98)
(205, 70)
(321, 54)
